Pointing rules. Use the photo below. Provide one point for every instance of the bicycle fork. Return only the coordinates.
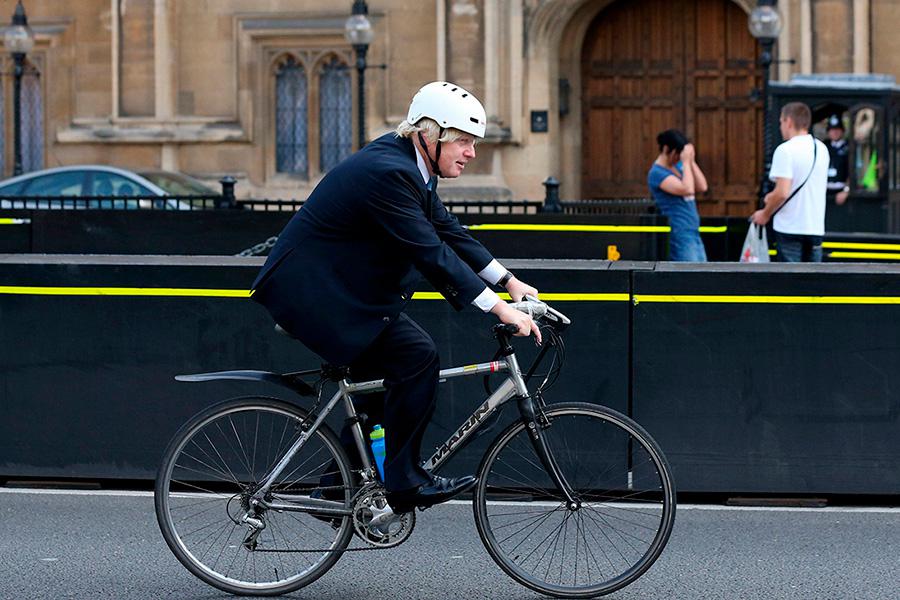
(535, 423)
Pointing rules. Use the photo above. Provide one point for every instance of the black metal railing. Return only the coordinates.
(226, 200)
(185, 202)
(491, 207)
(623, 206)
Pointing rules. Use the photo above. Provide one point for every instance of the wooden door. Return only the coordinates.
(651, 65)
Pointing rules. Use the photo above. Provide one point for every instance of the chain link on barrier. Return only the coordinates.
(260, 248)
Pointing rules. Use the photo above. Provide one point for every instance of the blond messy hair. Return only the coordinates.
(430, 129)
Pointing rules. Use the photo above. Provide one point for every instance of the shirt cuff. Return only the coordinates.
(493, 272)
(486, 300)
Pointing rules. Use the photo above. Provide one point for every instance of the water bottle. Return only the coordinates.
(378, 451)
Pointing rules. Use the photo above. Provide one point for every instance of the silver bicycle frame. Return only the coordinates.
(511, 387)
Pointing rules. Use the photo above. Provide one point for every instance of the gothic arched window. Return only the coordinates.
(335, 114)
(291, 123)
(32, 120)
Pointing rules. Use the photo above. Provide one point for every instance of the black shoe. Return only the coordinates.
(439, 490)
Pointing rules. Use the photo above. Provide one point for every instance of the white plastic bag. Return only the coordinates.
(756, 247)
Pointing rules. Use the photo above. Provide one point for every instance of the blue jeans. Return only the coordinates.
(793, 247)
(685, 244)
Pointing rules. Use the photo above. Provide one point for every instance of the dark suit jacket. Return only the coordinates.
(347, 262)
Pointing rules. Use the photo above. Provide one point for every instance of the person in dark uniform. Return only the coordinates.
(839, 167)
(347, 263)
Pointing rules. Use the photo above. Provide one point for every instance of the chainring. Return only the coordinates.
(375, 523)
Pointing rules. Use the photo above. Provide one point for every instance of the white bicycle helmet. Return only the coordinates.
(450, 106)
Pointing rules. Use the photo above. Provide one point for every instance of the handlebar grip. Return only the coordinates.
(505, 328)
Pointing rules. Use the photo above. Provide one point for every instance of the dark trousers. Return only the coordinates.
(798, 248)
(405, 356)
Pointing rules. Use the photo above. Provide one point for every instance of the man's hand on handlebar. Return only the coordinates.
(519, 289)
(509, 315)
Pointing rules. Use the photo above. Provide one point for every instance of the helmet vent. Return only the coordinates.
(465, 95)
(473, 119)
(454, 89)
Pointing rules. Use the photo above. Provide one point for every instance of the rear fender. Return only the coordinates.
(292, 381)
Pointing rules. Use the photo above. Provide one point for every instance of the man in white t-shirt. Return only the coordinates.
(800, 172)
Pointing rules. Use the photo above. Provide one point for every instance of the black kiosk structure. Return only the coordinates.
(869, 109)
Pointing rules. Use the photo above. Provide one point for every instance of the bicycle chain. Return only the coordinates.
(260, 248)
(370, 545)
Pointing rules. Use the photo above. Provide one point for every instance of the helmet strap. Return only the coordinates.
(437, 152)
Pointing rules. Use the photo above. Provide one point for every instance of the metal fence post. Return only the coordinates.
(227, 200)
(551, 196)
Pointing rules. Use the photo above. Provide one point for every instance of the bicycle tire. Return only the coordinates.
(210, 468)
(626, 494)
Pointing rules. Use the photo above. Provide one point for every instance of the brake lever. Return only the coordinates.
(549, 311)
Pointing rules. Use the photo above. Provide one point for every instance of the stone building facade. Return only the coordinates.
(265, 89)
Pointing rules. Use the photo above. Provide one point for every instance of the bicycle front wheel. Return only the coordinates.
(619, 525)
(210, 471)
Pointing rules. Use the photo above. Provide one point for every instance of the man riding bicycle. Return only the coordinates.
(343, 269)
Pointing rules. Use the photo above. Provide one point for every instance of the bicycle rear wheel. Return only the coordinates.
(211, 469)
(620, 525)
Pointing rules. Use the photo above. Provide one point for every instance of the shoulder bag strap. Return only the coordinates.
(794, 193)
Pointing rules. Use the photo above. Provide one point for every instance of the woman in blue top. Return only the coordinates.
(674, 178)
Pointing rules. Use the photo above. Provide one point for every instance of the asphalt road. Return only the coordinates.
(96, 545)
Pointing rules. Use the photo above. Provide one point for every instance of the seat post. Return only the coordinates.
(356, 427)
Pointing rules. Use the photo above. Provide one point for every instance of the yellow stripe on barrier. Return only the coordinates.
(734, 299)
(865, 255)
(571, 228)
(860, 246)
(220, 293)
(7, 221)
(589, 228)
(117, 291)
(549, 297)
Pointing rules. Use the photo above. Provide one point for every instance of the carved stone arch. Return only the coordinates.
(547, 21)
(281, 59)
(322, 58)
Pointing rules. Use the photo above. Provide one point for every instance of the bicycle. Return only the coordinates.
(257, 496)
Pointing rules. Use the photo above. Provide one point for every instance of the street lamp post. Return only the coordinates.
(358, 31)
(18, 40)
(765, 25)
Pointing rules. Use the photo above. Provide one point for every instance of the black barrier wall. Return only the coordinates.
(90, 345)
(754, 378)
(776, 379)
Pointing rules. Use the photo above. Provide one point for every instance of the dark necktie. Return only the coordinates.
(430, 195)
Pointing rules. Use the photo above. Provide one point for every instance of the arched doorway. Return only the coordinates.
(650, 65)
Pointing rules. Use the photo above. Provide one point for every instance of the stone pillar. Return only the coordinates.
(806, 37)
(862, 17)
(163, 60)
(163, 56)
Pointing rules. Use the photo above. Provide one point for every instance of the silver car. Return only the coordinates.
(102, 187)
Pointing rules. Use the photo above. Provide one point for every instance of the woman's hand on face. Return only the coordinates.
(687, 154)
